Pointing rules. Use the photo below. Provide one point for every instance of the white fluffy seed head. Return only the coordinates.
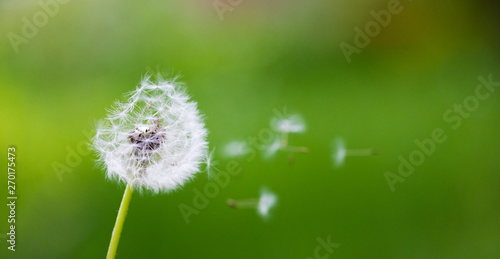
(155, 140)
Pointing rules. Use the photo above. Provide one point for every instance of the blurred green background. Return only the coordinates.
(263, 55)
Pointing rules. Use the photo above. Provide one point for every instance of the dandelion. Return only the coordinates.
(290, 124)
(264, 204)
(340, 152)
(155, 140)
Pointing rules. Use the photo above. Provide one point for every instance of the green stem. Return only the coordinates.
(122, 213)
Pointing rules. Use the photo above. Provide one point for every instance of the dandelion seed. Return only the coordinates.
(272, 148)
(210, 164)
(155, 140)
(340, 152)
(290, 124)
(267, 201)
(264, 204)
(236, 149)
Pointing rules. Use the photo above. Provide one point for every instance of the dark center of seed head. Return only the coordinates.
(148, 140)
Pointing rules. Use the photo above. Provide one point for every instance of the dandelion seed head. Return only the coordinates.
(155, 140)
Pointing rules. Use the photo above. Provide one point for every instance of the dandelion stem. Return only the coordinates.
(122, 213)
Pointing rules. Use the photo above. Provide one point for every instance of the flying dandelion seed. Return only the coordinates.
(268, 200)
(290, 124)
(210, 164)
(340, 152)
(263, 205)
(271, 149)
(155, 140)
(236, 149)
